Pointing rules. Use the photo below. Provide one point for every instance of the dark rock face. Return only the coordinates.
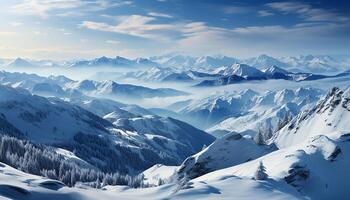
(297, 175)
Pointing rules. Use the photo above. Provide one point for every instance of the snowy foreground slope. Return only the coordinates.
(18, 185)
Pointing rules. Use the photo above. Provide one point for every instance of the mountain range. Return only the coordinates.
(318, 64)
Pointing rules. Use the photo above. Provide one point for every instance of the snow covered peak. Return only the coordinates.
(19, 62)
(244, 70)
(274, 69)
(264, 61)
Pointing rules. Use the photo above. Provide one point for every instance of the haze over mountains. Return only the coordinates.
(320, 64)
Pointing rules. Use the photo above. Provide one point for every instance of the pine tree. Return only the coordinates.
(259, 138)
(260, 173)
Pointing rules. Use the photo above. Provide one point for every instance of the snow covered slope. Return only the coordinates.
(330, 117)
(169, 136)
(232, 149)
(44, 120)
(316, 167)
(159, 174)
(140, 143)
(15, 184)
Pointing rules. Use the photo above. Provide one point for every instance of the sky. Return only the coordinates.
(75, 29)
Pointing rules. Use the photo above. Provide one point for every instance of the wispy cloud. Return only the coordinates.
(156, 14)
(307, 11)
(44, 8)
(135, 25)
(265, 13)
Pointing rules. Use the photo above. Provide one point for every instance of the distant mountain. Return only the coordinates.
(114, 62)
(215, 108)
(195, 63)
(167, 74)
(247, 111)
(264, 61)
(240, 73)
(269, 112)
(315, 64)
(113, 89)
(242, 70)
(19, 62)
(177, 77)
(207, 62)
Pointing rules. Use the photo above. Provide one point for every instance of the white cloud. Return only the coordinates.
(63, 8)
(156, 14)
(264, 13)
(135, 25)
(307, 12)
(42, 7)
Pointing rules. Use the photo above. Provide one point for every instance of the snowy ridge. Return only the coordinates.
(330, 116)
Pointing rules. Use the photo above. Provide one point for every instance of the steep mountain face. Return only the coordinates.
(330, 116)
(232, 149)
(95, 140)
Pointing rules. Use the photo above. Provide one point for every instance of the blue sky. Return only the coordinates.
(68, 29)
